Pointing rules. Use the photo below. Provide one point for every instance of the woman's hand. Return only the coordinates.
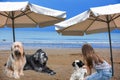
(85, 67)
(89, 70)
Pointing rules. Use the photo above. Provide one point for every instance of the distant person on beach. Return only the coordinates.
(94, 61)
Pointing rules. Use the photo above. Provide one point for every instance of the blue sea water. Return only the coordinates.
(36, 38)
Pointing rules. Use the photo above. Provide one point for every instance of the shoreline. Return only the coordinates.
(60, 44)
(8, 47)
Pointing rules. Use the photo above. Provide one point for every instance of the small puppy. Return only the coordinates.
(37, 62)
(16, 61)
(79, 71)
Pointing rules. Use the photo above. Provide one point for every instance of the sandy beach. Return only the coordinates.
(60, 61)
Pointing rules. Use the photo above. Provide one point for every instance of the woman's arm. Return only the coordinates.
(89, 70)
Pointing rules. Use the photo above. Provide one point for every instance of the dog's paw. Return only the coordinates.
(40, 69)
(8, 73)
(52, 73)
(16, 76)
(21, 73)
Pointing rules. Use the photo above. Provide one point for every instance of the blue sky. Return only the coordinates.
(72, 7)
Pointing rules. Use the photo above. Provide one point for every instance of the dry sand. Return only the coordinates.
(60, 61)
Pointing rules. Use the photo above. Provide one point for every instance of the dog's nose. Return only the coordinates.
(17, 52)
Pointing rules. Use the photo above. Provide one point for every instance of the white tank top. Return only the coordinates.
(103, 65)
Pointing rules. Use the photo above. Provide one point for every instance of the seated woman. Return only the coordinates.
(103, 69)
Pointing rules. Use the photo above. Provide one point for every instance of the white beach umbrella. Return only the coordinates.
(25, 14)
(95, 20)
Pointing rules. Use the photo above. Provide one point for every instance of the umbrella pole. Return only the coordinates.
(110, 49)
(13, 28)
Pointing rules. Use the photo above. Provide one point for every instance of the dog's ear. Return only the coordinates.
(73, 64)
(39, 50)
(23, 53)
(12, 55)
(80, 63)
(83, 64)
(11, 48)
(36, 56)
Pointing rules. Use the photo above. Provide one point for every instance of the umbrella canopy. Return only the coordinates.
(95, 20)
(25, 14)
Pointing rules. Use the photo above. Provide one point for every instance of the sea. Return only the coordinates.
(35, 38)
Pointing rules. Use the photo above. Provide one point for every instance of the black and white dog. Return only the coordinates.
(79, 71)
(38, 62)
